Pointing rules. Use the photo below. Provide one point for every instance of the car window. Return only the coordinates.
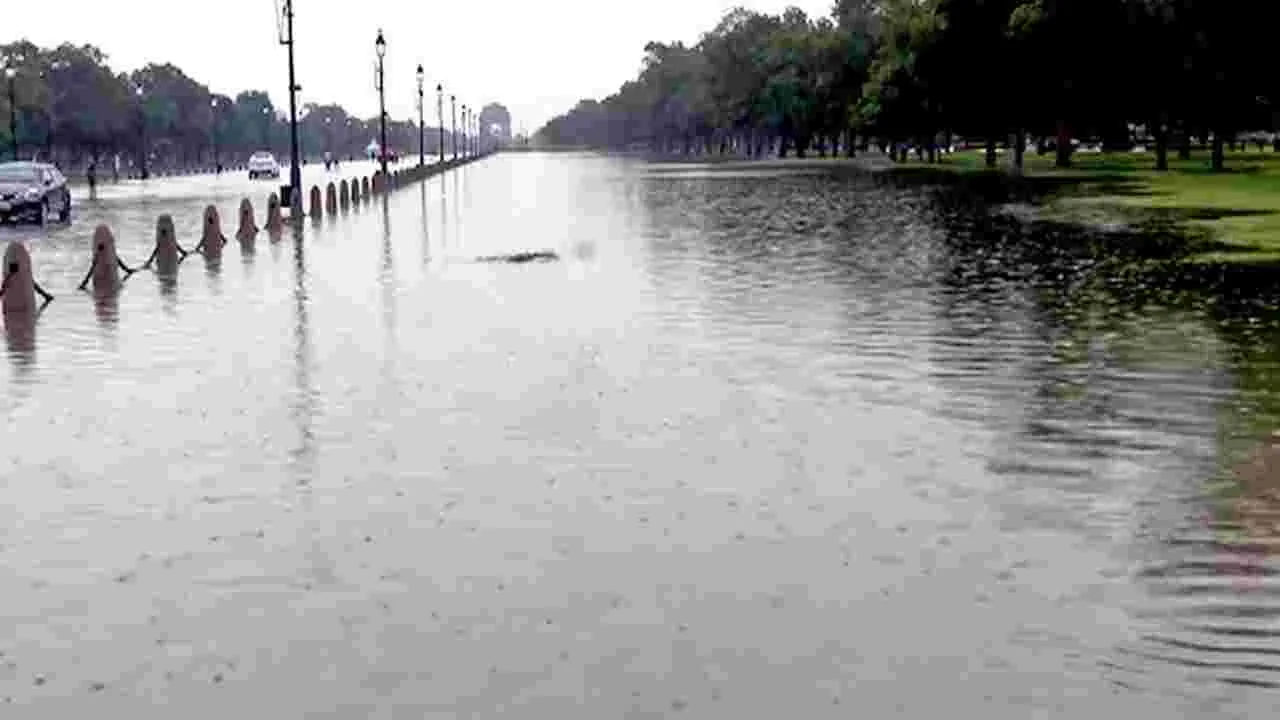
(17, 173)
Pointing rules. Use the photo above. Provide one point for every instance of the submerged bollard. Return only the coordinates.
(331, 199)
(19, 287)
(275, 222)
(248, 228)
(364, 187)
(211, 238)
(167, 253)
(313, 208)
(106, 264)
(344, 194)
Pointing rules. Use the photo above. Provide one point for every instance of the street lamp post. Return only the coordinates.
(440, 116)
(9, 74)
(381, 46)
(142, 135)
(465, 127)
(453, 106)
(422, 129)
(213, 130)
(295, 166)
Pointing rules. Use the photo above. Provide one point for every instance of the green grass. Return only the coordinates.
(1235, 213)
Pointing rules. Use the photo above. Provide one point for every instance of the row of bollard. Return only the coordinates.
(19, 289)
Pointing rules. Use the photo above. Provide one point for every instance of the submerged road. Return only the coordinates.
(130, 209)
(762, 443)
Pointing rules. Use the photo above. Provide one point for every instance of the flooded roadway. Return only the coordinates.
(761, 443)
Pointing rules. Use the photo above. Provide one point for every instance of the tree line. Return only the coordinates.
(926, 74)
(71, 107)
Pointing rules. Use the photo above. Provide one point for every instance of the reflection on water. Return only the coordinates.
(303, 404)
(759, 444)
(20, 342)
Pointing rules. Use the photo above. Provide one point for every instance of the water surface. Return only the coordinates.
(760, 444)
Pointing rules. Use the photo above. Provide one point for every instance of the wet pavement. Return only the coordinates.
(759, 443)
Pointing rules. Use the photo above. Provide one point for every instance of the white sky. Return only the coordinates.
(537, 58)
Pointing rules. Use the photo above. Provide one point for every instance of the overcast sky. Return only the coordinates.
(537, 58)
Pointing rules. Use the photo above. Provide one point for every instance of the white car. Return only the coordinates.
(263, 164)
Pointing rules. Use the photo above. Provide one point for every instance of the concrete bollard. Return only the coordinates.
(331, 199)
(313, 208)
(105, 268)
(19, 286)
(344, 194)
(166, 254)
(211, 238)
(275, 222)
(248, 228)
(364, 187)
(375, 182)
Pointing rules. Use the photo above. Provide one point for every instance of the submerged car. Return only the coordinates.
(33, 191)
(263, 164)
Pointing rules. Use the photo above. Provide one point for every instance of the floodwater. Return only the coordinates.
(759, 445)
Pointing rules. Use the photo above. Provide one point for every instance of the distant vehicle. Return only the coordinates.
(34, 191)
(372, 152)
(263, 164)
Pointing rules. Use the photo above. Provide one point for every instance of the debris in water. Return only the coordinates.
(522, 257)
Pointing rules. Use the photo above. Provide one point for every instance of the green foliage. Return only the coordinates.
(71, 106)
(916, 71)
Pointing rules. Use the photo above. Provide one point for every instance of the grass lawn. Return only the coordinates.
(1238, 210)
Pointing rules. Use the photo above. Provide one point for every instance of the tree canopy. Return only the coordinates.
(71, 107)
(922, 72)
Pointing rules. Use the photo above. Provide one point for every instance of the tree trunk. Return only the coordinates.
(1218, 163)
(1019, 149)
(1063, 159)
(851, 142)
(1184, 145)
(1162, 146)
(991, 152)
(933, 153)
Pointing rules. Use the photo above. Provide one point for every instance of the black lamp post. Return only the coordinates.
(453, 107)
(213, 130)
(9, 73)
(422, 129)
(295, 164)
(440, 116)
(381, 45)
(142, 134)
(465, 115)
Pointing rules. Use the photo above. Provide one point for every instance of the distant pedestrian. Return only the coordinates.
(92, 175)
(115, 168)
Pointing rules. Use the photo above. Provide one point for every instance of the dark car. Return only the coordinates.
(33, 191)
